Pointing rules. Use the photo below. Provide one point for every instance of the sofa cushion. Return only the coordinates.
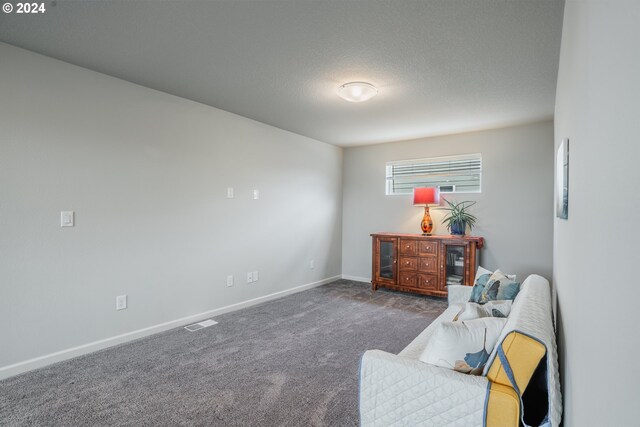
(458, 294)
(521, 355)
(463, 346)
(531, 317)
(502, 406)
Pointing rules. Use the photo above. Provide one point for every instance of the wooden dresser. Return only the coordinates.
(423, 264)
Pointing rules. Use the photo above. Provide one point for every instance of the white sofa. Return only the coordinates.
(400, 390)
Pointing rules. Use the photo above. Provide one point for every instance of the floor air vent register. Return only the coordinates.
(201, 325)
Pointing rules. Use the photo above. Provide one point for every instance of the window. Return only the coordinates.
(452, 174)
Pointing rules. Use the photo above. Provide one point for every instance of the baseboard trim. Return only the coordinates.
(59, 356)
(356, 278)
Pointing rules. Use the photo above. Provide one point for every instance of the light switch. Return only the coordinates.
(121, 302)
(256, 194)
(230, 193)
(66, 219)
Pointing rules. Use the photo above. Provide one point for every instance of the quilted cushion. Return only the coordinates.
(397, 391)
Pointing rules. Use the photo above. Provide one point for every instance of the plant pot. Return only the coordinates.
(458, 228)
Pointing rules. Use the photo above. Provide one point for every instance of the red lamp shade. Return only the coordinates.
(426, 196)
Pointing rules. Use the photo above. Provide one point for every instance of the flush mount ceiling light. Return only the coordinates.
(357, 91)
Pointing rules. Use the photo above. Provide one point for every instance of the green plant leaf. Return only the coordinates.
(457, 213)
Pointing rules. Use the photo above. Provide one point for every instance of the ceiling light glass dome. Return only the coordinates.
(357, 91)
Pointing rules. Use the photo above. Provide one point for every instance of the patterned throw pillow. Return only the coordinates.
(499, 287)
(478, 287)
(463, 346)
(482, 277)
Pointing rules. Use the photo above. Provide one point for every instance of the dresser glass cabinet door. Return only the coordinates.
(387, 259)
(454, 264)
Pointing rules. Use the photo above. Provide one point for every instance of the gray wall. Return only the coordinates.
(596, 249)
(146, 173)
(514, 210)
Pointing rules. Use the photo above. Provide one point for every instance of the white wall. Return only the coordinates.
(514, 209)
(596, 249)
(146, 174)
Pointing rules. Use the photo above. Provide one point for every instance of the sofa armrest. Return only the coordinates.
(402, 391)
(458, 294)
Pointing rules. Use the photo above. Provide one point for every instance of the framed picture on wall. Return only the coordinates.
(562, 180)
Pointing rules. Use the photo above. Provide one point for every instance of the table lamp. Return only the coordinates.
(426, 196)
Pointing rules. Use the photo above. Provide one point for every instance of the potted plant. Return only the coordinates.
(458, 217)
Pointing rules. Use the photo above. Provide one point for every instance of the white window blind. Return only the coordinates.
(452, 174)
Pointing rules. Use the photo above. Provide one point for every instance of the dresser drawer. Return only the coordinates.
(427, 281)
(408, 247)
(408, 263)
(428, 264)
(428, 248)
(408, 279)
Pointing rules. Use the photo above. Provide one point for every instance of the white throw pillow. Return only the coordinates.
(472, 310)
(463, 346)
(499, 308)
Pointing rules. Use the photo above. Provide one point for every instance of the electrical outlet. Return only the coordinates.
(230, 193)
(121, 302)
(255, 276)
(256, 194)
(312, 264)
(249, 277)
(229, 281)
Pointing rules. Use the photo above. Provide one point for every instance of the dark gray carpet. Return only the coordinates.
(289, 362)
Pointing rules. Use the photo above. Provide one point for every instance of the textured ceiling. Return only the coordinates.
(441, 66)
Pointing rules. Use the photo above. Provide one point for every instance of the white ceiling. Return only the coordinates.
(441, 66)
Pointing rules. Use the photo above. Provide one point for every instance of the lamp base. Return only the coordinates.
(427, 223)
